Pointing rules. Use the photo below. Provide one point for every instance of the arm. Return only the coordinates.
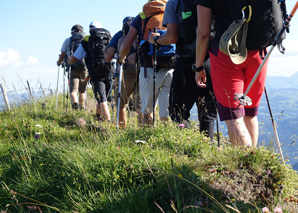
(125, 48)
(79, 54)
(61, 58)
(109, 53)
(170, 37)
(203, 35)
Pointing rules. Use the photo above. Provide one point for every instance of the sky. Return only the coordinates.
(32, 33)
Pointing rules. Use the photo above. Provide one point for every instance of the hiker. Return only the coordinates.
(232, 72)
(79, 73)
(93, 47)
(129, 82)
(184, 91)
(148, 77)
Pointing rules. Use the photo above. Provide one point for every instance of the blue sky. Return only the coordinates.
(33, 31)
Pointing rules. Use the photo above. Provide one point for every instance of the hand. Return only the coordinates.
(58, 64)
(119, 61)
(201, 79)
(151, 36)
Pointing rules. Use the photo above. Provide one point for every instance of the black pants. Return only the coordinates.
(184, 93)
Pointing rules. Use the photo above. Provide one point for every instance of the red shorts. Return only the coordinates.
(229, 78)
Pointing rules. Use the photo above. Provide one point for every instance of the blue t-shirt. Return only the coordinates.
(114, 41)
(137, 24)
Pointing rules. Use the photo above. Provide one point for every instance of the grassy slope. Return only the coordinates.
(95, 168)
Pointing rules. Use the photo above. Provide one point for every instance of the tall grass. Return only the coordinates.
(49, 162)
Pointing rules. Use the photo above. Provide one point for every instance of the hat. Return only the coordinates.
(233, 41)
(127, 19)
(76, 28)
(95, 24)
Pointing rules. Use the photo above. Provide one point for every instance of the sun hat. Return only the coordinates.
(95, 24)
(233, 41)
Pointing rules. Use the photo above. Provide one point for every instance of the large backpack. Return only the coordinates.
(265, 22)
(75, 40)
(98, 41)
(152, 17)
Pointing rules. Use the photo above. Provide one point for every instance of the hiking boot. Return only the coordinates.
(75, 106)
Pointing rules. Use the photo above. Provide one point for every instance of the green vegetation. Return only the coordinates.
(67, 162)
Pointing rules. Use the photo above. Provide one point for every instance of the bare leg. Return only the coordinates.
(73, 97)
(105, 111)
(238, 133)
(82, 99)
(252, 125)
(122, 118)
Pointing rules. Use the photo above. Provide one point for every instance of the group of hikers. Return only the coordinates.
(180, 53)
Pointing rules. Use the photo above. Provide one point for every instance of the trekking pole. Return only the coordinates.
(68, 89)
(119, 95)
(64, 73)
(243, 98)
(274, 127)
(110, 92)
(57, 88)
(154, 75)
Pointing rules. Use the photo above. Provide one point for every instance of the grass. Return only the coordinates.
(49, 163)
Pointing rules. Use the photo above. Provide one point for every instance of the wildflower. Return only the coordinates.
(117, 176)
(181, 126)
(219, 148)
(189, 138)
(41, 164)
(38, 125)
(37, 135)
(205, 139)
(265, 210)
(246, 155)
(277, 210)
(180, 175)
(81, 122)
(139, 141)
(233, 199)
(268, 172)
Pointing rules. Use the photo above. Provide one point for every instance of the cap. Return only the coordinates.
(127, 19)
(233, 41)
(76, 28)
(95, 24)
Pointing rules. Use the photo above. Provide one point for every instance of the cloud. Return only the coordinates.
(12, 58)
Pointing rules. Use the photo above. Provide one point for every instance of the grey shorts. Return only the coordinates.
(78, 82)
(162, 90)
(129, 86)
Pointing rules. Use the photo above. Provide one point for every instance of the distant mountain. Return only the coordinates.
(295, 167)
(281, 82)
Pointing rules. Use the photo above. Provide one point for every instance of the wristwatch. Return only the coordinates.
(197, 69)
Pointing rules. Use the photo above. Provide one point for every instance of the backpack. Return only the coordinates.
(75, 40)
(265, 23)
(152, 16)
(187, 9)
(98, 41)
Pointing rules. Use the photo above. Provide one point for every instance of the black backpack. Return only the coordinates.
(186, 44)
(266, 21)
(75, 40)
(187, 9)
(98, 41)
